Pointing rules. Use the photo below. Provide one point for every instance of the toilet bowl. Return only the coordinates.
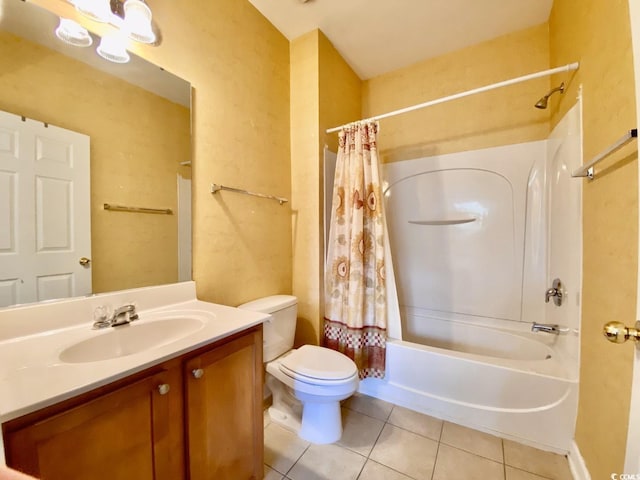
(307, 383)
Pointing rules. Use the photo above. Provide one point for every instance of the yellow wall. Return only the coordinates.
(238, 64)
(324, 92)
(597, 33)
(305, 183)
(498, 117)
(137, 142)
(340, 92)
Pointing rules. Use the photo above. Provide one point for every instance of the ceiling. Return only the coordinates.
(379, 36)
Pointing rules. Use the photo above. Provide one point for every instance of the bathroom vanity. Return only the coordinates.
(72, 406)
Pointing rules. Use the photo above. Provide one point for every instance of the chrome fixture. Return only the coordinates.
(215, 188)
(121, 316)
(543, 102)
(586, 170)
(549, 328)
(617, 332)
(556, 292)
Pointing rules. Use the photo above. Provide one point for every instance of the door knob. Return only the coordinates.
(163, 389)
(617, 332)
(84, 261)
(197, 373)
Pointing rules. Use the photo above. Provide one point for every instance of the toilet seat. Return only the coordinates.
(319, 366)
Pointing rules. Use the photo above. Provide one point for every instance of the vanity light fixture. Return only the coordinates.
(71, 32)
(130, 18)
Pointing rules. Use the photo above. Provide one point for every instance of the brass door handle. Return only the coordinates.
(84, 261)
(617, 332)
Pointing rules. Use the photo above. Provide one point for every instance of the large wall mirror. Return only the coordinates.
(137, 119)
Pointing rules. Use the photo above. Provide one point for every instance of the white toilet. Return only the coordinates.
(308, 383)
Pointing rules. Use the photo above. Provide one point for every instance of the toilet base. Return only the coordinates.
(321, 422)
(314, 421)
(285, 419)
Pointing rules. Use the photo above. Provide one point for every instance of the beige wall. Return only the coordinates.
(597, 33)
(498, 117)
(137, 142)
(238, 64)
(324, 92)
(305, 183)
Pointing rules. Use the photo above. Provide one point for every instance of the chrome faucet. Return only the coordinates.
(549, 328)
(121, 316)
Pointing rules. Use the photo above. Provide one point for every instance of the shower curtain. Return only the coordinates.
(355, 314)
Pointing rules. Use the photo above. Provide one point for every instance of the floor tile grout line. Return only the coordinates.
(504, 460)
(297, 460)
(457, 447)
(367, 415)
(392, 469)
(435, 461)
(376, 441)
(527, 471)
(416, 433)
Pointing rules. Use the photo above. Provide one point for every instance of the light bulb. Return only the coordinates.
(113, 48)
(137, 21)
(71, 32)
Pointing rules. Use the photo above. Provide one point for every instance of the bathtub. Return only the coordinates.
(500, 379)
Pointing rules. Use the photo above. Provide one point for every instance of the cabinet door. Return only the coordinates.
(122, 435)
(224, 411)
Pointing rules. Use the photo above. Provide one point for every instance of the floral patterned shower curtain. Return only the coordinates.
(355, 318)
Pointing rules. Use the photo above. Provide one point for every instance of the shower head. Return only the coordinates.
(542, 103)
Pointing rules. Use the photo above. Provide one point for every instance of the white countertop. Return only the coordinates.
(33, 376)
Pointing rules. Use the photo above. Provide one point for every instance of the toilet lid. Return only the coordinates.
(320, 363)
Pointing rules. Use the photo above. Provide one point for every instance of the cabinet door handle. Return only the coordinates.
(197, 373)
(164, 388)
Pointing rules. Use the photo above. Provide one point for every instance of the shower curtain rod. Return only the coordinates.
(565, 68)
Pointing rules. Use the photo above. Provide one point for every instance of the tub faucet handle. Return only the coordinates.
(556, 292)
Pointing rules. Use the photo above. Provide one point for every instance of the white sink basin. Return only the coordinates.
(130, 339)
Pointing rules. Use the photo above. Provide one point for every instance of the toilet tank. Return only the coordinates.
(281, 328)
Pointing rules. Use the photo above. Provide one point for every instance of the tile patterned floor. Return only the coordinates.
(386, 442)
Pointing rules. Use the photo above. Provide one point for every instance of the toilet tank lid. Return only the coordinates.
(270, 304)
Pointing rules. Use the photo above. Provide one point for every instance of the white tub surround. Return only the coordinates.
(33, 337)
(476, 240)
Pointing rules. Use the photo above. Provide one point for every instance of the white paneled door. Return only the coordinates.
(45, 231)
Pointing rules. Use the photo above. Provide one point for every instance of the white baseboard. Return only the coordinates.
(576, 463)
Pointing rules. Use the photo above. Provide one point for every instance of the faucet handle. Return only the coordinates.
(101, 317)
(556, 291)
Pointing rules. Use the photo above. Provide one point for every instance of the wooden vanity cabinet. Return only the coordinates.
(117, 435)
(223, 398)
(160, 424)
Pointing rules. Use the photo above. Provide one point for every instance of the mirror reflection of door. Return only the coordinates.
(44, 212)
(184, 228)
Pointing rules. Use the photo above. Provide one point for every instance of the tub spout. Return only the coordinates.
(549, 328)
